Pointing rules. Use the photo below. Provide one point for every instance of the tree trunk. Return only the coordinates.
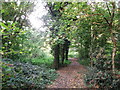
(62, 53)
(66, 53)
(56, 56)
(66, 48)
(113, 52)
(110, 24)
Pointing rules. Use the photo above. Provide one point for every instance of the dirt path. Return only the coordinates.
(70, 76)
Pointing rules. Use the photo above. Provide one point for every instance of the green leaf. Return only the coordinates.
(3, 25)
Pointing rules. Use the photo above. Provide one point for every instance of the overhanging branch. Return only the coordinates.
(108, 9)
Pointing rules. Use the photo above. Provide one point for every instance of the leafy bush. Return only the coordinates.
(103, 64)
(101, 75)
(25, 75)
(85, 62)
(117, 64)
(100, 79)
(12, 39)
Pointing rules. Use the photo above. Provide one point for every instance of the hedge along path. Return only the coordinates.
(71, 76)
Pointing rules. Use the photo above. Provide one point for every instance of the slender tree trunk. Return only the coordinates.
(91, 48)
(113, 38)
(113, 52)
(114, 48)
(110, 24)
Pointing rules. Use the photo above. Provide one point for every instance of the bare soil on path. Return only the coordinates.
(71, 76)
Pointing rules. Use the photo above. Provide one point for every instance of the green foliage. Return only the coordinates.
(101, 75)
(23, 46)
(85, 62)
(48, 61)
(13, 28)
(117, 72)
(72, 53)
(101, 79)
(38, 50)
(12, 11)
(25, 75)
(12, 40)
(117, 64)
(86, 25)
(67, 62)
(103, 64)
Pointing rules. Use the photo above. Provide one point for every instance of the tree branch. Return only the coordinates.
(113, 13)
(108, 9)
(106, 20)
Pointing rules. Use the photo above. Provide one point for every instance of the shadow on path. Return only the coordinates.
(70, 76)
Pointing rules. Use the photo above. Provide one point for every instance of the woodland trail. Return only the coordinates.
(70, 76)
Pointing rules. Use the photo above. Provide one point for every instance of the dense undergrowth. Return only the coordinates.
(26, 75)
(101, 76)
(47, 61)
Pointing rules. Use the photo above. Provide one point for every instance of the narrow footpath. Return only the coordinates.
(70, 76)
